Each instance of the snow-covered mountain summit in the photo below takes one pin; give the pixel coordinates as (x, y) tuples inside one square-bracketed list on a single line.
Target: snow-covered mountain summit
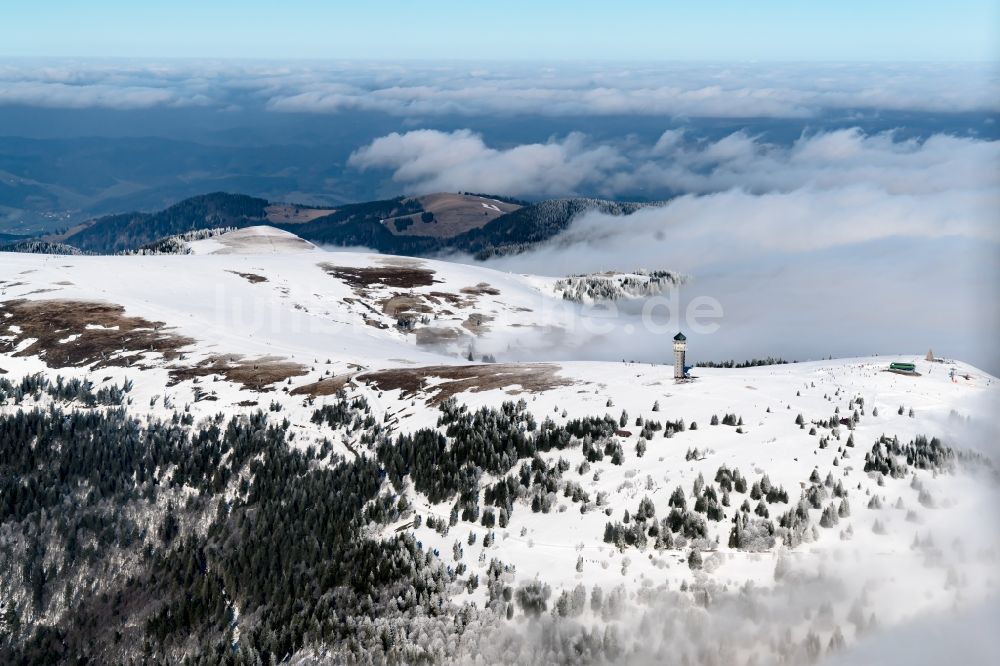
[(252, 240), (554, 506)]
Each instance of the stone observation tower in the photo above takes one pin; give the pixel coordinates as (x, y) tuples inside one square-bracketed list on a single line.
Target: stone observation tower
[(680, 345)]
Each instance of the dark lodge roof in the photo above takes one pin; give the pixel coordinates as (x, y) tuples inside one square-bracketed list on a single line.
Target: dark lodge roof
[(680, 337)]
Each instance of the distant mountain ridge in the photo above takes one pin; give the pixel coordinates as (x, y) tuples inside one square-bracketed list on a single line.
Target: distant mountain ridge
[(130, 231), (478, 224)]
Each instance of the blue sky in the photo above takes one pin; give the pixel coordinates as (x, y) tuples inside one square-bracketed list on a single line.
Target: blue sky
[(797, 30)]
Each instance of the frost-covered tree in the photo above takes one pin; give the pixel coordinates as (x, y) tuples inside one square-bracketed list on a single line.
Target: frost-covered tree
[(677, 499), (532, 598), (829, 517), (646, 509)]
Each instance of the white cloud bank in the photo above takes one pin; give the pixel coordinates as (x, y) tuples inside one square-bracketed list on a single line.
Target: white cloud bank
[(431, 160), (408, 90), (670, 89)]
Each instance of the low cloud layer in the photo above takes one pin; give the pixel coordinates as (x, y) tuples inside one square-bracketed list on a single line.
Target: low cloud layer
[(677, 90), (840, 244), (432, 160), (963, 637), (802, 275), (102, 85)]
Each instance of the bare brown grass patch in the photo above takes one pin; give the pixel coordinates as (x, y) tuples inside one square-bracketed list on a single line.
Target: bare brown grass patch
[(325, 386), (256, 374), (115, 339), (400, 303), (449, 380), (453, 214), (437, 335), (401, 277), (476, 323), (481, 289), (452, 299), (104, 336)]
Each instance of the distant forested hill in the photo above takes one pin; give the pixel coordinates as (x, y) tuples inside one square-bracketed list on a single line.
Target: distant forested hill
[(128, 231), (372, 224), (512, 232), (536, 223), (359, 224)]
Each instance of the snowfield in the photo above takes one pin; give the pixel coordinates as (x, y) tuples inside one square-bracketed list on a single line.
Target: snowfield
[(258, 319)]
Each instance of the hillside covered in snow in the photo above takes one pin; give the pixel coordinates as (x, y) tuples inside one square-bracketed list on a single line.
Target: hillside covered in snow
[(253, 449)]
